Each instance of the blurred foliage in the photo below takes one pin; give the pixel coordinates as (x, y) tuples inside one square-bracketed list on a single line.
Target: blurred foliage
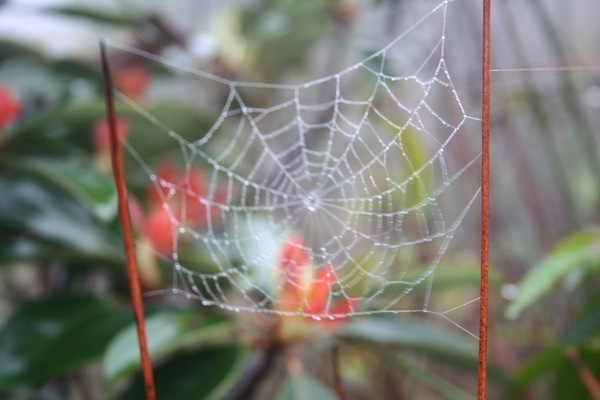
[(65, 316)]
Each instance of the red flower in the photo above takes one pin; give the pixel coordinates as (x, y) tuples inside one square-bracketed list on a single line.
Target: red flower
[(132, 81), (195, 192), (306, 290), (165, 171), (292, 261), (158, 228), (136, 214), (9, 107), (101, 133), (191, 192)]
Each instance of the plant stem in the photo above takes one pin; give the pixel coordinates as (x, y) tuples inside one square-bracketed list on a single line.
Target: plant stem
[(255, 375), (335, 360), (584, 372)]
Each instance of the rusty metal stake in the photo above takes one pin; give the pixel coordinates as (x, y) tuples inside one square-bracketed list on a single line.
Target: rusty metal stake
[(132, 269), (485, 205)]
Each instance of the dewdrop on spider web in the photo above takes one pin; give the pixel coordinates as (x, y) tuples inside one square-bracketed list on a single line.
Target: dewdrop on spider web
[(329, 199)]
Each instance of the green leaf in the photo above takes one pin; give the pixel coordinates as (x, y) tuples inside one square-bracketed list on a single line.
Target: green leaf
[(150, 140), (199, 374), (587, 325), (95, 15), (16, 247), (281, 34), (10, 49), (580, 250), (29, 74), (167, 332), (37, 207), (302, 387), (52, 336), (566, 382), (416, 334), (424, 375), (450, 275), (82, 180), (539, 365)]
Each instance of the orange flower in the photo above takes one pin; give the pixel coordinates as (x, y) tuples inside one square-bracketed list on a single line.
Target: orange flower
[(9, 107), (101, 133), (132, 81), (306, 290)]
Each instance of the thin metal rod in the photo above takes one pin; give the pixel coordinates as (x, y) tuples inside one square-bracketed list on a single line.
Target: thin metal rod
[(485, 204), (132, 269)]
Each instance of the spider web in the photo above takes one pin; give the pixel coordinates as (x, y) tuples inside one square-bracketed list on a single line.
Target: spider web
[(355, 164)]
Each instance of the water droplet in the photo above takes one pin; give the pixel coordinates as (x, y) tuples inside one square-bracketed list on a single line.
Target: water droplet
[(178, 266), (188, 296), (205, 303), (312, 202), (181, 229)]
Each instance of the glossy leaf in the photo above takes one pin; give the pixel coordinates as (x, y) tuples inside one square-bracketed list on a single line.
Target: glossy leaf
[(52, 336), (416, 334), (197, 375), (94, 15), (449, 275), (15, 247), (302, 387), (10, 48), (281, 34), (167, 332), (568, 382), (42, 209), (577, 251), (587, 325), (539, 365), (424, 375), (150, 140), (81, 180)]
